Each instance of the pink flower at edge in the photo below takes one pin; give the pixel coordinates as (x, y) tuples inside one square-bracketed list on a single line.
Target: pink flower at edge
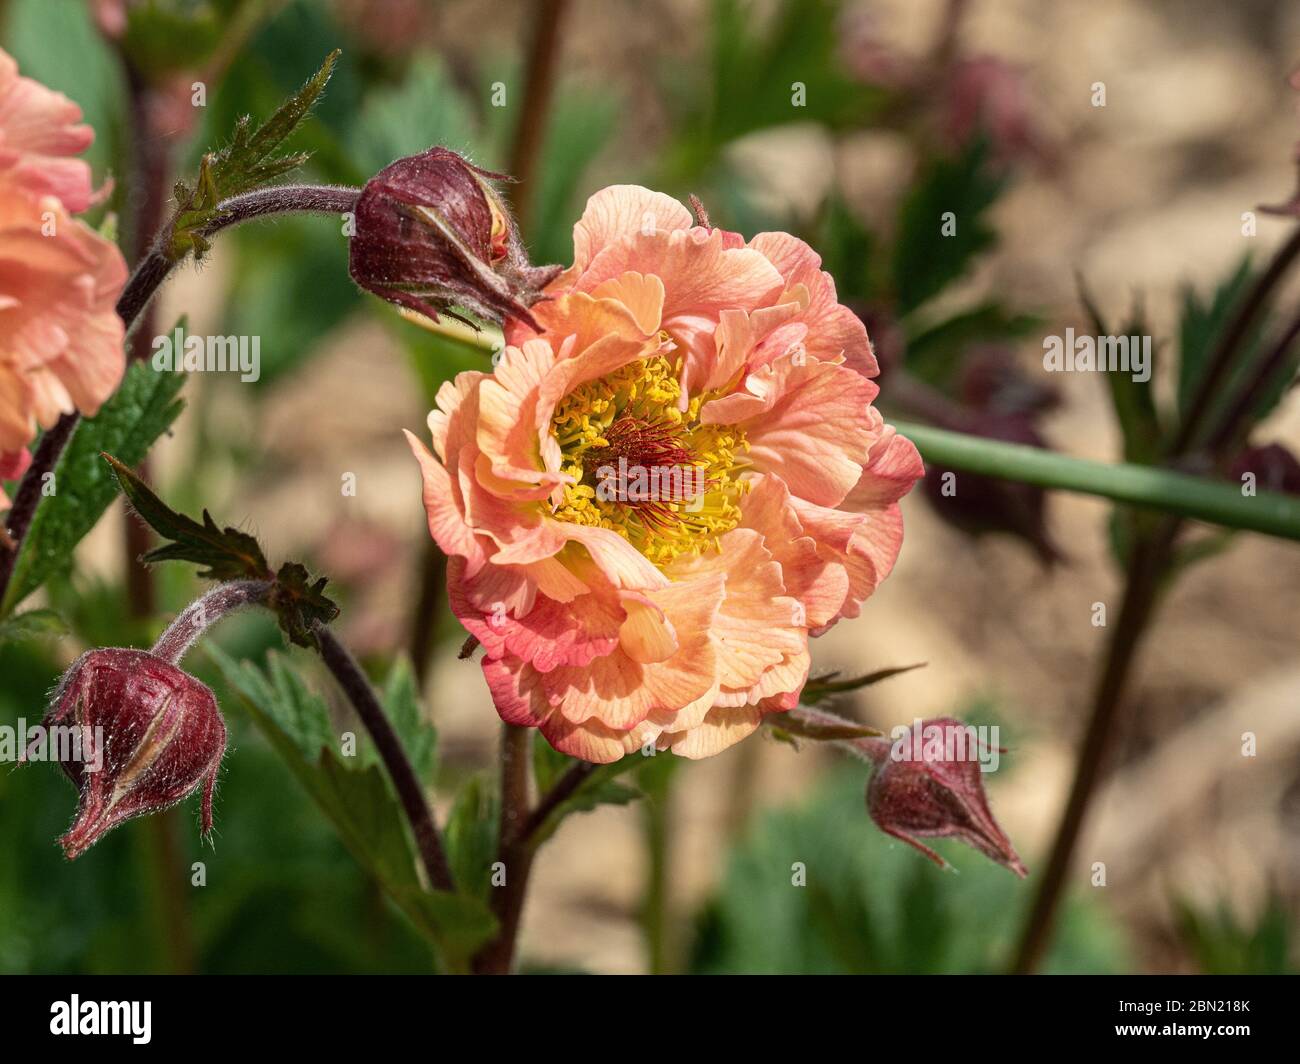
[(60, 336), (610, 617)]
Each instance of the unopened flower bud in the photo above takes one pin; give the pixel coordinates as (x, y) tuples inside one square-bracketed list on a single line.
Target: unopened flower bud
[(432, 232), (1273, 466), (149, 734), (929, 784)]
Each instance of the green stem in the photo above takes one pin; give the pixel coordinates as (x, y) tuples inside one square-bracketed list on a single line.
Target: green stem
[(656, 920), (1271, 513)]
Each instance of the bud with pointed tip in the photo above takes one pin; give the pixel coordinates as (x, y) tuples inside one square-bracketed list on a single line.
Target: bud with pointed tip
[(432, 232), (929, 784), (150, 734)]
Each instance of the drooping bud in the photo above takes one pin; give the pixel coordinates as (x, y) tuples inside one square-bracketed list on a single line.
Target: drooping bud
[(432, 232), (147, 734), (929, 784)]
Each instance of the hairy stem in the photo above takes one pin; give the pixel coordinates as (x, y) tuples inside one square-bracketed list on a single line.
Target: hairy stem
[(564, 788), (513, 851), (204, 612), (656, 909), (154, 268), (407, 785), (424, 620), (1147, 566)]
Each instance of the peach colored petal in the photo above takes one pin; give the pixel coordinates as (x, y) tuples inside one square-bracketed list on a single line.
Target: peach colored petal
[(748, 341), (447, 523), (723, 727), (646, 634), (805, 422), (450, 396), (39, 132), (620, 692), (511, 433), (819, 582), (757, 624), (549, 635), (623, 210), (701, 278), (834, 331), (642, 295), (60, 336)]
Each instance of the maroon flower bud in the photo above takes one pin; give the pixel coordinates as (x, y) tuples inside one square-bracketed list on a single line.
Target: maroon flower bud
[(1274, 467), (928, 784), (432, 232), (149, 734)]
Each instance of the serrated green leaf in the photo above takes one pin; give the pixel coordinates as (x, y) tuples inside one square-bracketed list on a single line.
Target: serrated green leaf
[(403, 706), (32, 625), (142, 409), (298, 602), (244, 164), (358, 802), (925, 260), (226, 553)]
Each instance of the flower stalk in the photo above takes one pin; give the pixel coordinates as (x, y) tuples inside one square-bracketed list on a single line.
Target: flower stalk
[(348, 673), (1271, 513)]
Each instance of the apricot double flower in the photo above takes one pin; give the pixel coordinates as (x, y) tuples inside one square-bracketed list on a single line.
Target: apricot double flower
[(665, 487)]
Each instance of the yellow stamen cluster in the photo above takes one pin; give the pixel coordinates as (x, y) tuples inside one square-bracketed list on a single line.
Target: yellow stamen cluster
[(590, 426)]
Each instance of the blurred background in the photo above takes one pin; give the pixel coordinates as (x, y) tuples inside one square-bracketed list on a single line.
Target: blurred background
[(908, 108)]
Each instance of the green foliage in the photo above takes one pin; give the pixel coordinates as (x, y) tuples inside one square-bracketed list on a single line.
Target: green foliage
[(749, 79), (471, 837), (424, 109), (229, 554), (226, 553), (871, 905), (849, 251), (579, 127), (32, 625), (247, 162), (1202, 322), (925, 260), (1224, 945), (142, 409), (401, 699), (292, 285), (164, 37), (356, 800)]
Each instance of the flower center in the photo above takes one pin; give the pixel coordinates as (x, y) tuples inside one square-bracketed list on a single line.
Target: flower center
[(644, 468)]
